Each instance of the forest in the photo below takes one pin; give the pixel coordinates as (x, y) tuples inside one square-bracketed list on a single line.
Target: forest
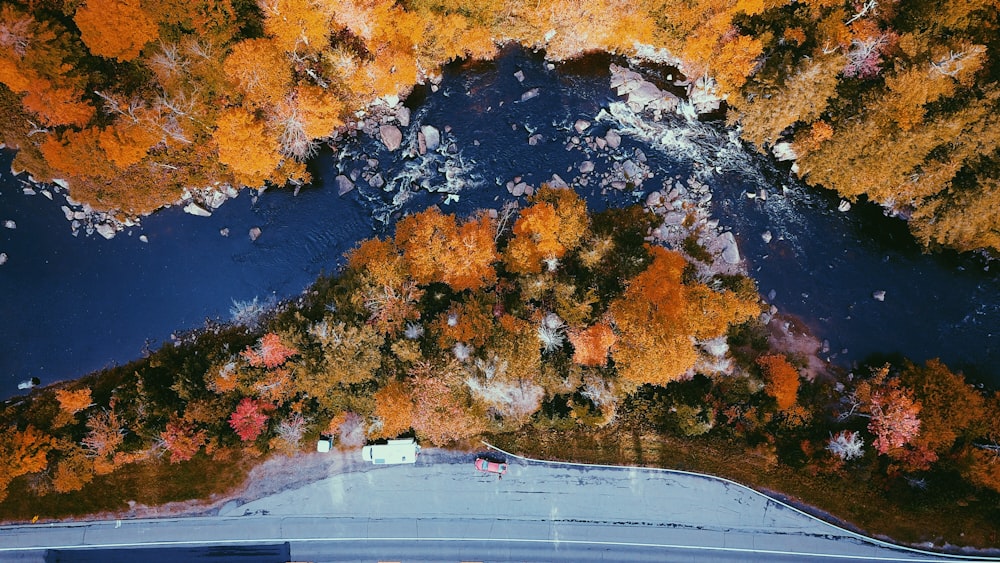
[(130, 102), (548, 322)]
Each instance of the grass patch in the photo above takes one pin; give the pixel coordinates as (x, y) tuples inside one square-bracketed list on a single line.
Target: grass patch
[(149, 483)]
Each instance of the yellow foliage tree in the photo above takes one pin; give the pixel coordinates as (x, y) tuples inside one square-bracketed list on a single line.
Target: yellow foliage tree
[(260, 71), (296, 24), (245, 146)]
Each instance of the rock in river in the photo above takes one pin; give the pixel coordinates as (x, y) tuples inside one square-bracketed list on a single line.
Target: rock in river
[(432, 137), (343, 183), (391, 136), (195, 209), (613, 138), (730, 252)]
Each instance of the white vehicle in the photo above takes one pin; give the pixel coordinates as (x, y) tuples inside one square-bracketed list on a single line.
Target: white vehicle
[(396, 451)]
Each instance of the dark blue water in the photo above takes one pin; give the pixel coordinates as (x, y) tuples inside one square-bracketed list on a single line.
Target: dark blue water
[(71, 305)]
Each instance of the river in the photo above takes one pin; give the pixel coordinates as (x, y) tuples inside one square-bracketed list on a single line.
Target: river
[(73, 304)]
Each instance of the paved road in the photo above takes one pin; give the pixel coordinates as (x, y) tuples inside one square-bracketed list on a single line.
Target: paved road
[(442, 509)]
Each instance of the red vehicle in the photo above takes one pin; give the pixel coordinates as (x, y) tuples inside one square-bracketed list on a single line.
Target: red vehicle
[(487, 465)]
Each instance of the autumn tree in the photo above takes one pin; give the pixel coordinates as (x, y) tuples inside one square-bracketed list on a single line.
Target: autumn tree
[(296, 24), (70, 403), (470, 322), (105, 433), (894, 420), (246, 146), (782, 379), (593, 345), (269, 353), (260, 71), (393, 410), (350, 355), (21, 452), (182, 439), (249, 419), (554, 224), (115, 29), (765, 113), (289, 433), (951, 409), (73, 469), (441, 404), (438, 249), (659, 318)]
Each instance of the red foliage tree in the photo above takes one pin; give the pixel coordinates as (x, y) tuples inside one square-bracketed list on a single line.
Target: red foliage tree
[(182, 440), (894, 419), (249, 419), (269, 353)]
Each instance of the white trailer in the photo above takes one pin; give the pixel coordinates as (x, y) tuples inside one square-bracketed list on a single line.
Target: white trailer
[(396, 451)]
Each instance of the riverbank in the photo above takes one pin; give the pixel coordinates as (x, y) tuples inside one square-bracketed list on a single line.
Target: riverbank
[(651, 346)]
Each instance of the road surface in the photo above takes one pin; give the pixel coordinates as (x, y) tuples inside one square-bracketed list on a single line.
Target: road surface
[(442, 509)]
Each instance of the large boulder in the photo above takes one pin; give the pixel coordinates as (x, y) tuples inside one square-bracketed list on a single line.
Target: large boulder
[(432, 137), (195, 209), (730, 251), (391, 136), (343, 183)]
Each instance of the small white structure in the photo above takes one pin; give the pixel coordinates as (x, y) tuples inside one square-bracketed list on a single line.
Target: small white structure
[(323, 445), (396, 451)]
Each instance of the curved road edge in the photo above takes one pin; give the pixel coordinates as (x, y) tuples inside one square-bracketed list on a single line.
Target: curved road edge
[(860, 536)]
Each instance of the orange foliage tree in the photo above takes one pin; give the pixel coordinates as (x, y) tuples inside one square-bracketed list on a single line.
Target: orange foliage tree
[(393, 409), (115, 28), (74, 468), (260, 71), (21, 452), (437, 249), (659, 318), (593, 345), (951, 408), (74, 401), (553, 225), (782, 379), (425, 239), (296, 24), (57, 105)]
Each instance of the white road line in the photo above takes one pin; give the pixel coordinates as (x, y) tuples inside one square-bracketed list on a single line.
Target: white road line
[(178, 543), (862, 537)]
